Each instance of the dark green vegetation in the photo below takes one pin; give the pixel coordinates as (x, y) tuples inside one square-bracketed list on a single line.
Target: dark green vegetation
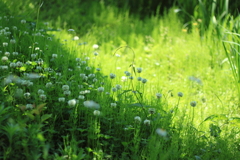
[(91, 80)]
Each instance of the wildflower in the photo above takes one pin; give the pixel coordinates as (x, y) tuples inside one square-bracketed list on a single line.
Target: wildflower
[(72, 102), (144, 80), (137, 119), (29, 106), (43, 97), (39, 68), (107, 93), (114, 89), (193, 103), (4, 58), (98, 69), (65, 87), (127, 73), (67, 92), (158, 95), (27, 95), (5, 44), (112, 76), (161, 132), (83, 62), (95, 53), (49, 84), (40, 91), (78, 59), (54, 55), (82, 75), (34, 56), (61, 99), (100, 89), (118, 86), (19, 64), (15, 53), (81, 97), (13, 41), (151, 110), (131, 77), (147, 122), (87, 58), (71, 30), (91, 104), (95, 46), (75, 38), (124, 79), (91, 75), (7, 54), (113, 105), (23, 21), (139, 70), (96, 112), (88, 68), (94, 80), (139, 78), (180, 94)]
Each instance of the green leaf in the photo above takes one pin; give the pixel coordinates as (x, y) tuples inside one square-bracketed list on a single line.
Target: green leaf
[(45, 117), (23, 68)]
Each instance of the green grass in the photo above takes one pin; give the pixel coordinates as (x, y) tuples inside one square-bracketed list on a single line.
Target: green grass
[(97, 119)]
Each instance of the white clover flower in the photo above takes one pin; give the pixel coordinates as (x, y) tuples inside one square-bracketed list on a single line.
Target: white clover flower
[(61, 99), (158, 95), (193, 103), (127, 73), (118, 86), (54, 55), (100, 89), (94, 80), (43, 97), (91, 104), (144, 80), (139, 78), (23, 21), (137, 119), (81, 97), (78, 59), (161, 132), (112, 76), (40, 91), (83, 62), (114, 89), (139, 70), (147, 122), (91, 75), (5, 44), (67, 93), (151, 110), (29, 106), (95, 46), (72, 102), (13, 41), (7, 54), (124, 79), (180, 94), (65, 87), (4, 58), (87, 58), (96, 113), (15, 53), (4, 67), (27, 95), (19, 64), (113, 105), (33, 56), (13, 65), (88, 68), (82, 75), (49, 84), (75, 38)]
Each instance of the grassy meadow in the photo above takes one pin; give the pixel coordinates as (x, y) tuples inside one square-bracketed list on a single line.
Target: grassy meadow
[(107, 84)]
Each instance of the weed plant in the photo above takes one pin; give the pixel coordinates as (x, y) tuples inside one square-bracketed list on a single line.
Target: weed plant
[(125, 89)]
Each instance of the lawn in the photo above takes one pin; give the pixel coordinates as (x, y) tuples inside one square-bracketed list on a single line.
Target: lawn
[(100, 82)]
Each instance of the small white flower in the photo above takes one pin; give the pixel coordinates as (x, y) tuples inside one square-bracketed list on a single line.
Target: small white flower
[(19, 64), (100, 89), (96, 112), (193, 103), (137, 119), (49, 84), (40, 91), (91, 104), (61, 99), (65, 87), (4, 58), (54, 55), (5, 44), (29, 106), (13, 65), (151, 110), (7, 54), (114, 89), (43, 97), (158, 95), (180, 94), (15, 53), (23, 21), (67, 92), (78, 59), (13, 41), (72, 102), (113, 105), (124, 79), (147, 122), (88, 68), (118, 86), (112, 76), (95, 46), (75, 38), (27, 95), (144, 80), (161, 132), (81, 97), (139, 70)]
